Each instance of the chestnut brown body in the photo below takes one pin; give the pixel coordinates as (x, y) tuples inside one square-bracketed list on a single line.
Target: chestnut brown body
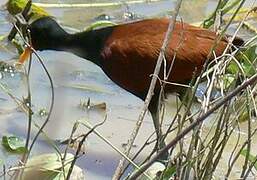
[(130, 53)]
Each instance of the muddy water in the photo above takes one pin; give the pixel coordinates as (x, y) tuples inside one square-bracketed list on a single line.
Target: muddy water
[(69, 74)]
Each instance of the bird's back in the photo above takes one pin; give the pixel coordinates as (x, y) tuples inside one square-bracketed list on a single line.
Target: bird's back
[(130, 53)]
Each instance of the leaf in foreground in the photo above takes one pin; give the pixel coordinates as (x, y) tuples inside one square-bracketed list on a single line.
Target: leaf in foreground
[(251, 158), (16, 6), (169, 173), (247, 58), (14, 144), (99, 24), (49, 167)]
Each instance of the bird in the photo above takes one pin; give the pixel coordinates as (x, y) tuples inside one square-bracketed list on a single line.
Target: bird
[(127, 53)]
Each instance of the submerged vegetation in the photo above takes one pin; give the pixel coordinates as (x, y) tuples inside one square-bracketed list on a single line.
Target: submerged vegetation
[(225, 147)]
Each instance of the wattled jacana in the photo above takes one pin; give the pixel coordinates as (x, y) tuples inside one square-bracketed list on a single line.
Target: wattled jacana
[(128, 53)]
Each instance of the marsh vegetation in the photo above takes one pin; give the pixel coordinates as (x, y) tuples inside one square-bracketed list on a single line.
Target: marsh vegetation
[(59, 106)]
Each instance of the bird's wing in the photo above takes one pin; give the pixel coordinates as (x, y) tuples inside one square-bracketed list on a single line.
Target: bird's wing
[(130, 56)]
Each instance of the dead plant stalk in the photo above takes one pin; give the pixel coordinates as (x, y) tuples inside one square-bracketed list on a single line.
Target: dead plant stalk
[(166, 42), (199, 120)]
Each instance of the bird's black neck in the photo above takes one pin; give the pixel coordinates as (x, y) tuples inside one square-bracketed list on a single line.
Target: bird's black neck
[(87, 44)]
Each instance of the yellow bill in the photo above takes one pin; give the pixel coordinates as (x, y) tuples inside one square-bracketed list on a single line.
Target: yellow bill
[(25, 55)]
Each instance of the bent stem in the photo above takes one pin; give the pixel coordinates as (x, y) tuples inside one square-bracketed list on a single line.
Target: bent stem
[(150, 93), (199, 120)]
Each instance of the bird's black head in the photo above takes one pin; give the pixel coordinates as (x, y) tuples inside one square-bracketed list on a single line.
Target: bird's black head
[(46, 33)]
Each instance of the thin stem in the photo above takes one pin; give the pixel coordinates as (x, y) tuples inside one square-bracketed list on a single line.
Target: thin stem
[(150, 93), (80, 146), (199, 120)]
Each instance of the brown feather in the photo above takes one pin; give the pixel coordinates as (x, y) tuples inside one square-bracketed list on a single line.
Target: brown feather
[(130, 53)]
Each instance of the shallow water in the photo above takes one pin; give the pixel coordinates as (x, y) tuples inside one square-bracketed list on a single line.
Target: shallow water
[(68, 72)]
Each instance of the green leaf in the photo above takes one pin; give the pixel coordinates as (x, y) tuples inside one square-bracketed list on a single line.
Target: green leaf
[(248, 62), (169, 173), (211, 19), (18, 46), (232, 68), (14, 144), (2, 37), (48, 162), (250, 54), (230, 6), (224, 7), (49, 167), (251, 158), (99, 24), (228, 80), (244, 116), (16, 6)]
